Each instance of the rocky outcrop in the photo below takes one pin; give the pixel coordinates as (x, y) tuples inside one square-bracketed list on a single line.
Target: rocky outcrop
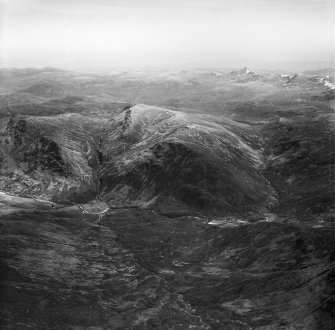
[(286, 78), (242, 75), (50, 157)]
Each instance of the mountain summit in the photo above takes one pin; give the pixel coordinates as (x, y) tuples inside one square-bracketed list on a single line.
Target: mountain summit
[(243, 74)]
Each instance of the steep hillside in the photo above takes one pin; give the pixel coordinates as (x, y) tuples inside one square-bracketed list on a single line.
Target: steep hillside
[(51, 157), (145, 156), (163, 157), (301, 165)]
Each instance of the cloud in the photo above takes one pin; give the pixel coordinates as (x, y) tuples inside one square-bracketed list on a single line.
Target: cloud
[(211, 32)]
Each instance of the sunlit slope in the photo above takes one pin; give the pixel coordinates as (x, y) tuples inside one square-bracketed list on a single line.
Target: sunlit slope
[(156, 156), (145, 156)]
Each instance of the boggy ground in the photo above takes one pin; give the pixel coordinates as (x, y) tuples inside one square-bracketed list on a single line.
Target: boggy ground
[(135, 269), (61, 271)]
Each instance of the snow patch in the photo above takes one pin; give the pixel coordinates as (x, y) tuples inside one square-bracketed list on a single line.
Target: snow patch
[(329, 85)]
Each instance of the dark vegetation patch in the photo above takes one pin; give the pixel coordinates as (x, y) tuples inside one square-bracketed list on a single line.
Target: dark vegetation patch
[(174, 169), (302, 163)]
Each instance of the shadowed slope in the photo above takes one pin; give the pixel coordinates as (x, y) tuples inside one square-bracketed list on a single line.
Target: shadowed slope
[(143, 156), (163, 157)]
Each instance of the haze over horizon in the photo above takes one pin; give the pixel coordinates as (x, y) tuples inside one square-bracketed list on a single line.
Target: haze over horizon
[(96, 35)]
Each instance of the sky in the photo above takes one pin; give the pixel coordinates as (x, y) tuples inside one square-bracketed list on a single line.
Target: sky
[(101, 34)]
